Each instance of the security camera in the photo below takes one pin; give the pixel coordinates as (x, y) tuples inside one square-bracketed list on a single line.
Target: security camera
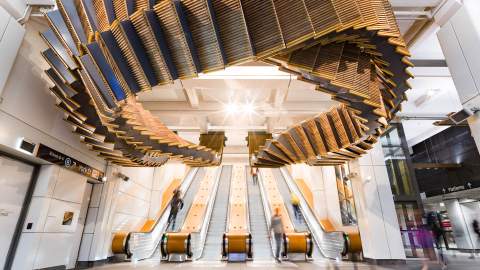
[(123, 176)]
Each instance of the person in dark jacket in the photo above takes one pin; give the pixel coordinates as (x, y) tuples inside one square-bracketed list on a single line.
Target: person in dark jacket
[(476, 227), (175, 205)]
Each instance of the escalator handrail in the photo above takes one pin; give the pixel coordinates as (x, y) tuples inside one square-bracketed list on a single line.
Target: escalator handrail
[(266, 209), (186, 184), (183, 189), (309, 214)]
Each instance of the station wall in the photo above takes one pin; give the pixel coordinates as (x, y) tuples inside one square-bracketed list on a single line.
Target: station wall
[(52, 229)]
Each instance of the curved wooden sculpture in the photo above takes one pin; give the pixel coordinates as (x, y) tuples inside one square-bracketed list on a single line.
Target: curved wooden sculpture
[(103, 52)]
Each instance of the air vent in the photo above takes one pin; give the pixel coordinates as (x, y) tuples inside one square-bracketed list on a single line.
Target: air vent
[(27, 146)]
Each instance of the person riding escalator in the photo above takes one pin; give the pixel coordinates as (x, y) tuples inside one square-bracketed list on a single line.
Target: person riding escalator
[(176, 204)]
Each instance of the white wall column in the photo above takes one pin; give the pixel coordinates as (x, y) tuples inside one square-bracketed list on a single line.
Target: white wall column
[(377, 219), (459, 38)]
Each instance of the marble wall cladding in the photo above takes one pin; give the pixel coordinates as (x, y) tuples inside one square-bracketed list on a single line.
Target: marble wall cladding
[(121, 205), (377, 220), (15, 179), (48, 239), (11, 35)]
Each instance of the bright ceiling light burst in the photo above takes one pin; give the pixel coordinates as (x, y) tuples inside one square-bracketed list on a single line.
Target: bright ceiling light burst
[(233, 108)]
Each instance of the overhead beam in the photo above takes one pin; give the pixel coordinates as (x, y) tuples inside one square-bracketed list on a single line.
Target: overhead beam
[(279, 97), (192, 97)]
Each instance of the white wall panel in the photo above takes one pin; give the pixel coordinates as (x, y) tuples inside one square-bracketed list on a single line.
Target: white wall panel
[(90, 221), (83, 255), (37, 214), (14, 181), (155, 203), (55, 216), (54, 250), (127, 204), (27, 251), (4, 18), (158, 177), (457, 63), (124, 222), (46, 181), (77, 235), (376, 155), (70, 186), (96, 195), (331, 195), (141, 176), (10, 40), (389, 214), (469, 38), (135, 190)]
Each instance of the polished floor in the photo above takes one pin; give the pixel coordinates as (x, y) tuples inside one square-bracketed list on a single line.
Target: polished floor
[(456, 262)]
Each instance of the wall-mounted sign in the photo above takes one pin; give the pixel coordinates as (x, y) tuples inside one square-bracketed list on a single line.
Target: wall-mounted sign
[(46, 153), (452, 189)]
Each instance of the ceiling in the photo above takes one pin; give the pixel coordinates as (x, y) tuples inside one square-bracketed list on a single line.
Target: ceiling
[(256, 96)]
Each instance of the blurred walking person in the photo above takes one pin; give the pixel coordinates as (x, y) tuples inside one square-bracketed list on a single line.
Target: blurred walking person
[(276, 226), (295, 201), (476, 230)]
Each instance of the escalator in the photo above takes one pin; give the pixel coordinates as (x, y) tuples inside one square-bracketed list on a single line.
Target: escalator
[(330, 243), (187, 201), (143, 245), (187, 240), (216, 227), (299, 223), (262, 250)]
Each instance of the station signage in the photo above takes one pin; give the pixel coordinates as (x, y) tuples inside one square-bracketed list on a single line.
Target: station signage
[(452, 189), (51, 155)]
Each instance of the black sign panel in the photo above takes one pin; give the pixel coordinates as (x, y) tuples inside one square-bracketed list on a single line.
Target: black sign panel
[(452, 189), (60, 159)]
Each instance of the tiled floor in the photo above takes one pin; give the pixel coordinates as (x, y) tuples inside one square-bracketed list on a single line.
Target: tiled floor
[(459, 262)]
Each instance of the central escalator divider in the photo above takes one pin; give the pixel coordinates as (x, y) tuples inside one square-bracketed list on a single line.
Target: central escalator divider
[(178, 245), (218, 219), (237, 240)]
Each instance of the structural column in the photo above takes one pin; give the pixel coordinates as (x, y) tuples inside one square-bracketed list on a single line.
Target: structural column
[(377, 219), (459, 38)]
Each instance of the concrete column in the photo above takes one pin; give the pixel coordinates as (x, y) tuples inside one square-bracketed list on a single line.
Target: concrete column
[(377, 219)]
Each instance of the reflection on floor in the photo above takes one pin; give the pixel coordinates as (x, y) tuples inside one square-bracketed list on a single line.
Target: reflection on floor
[(459, 262)]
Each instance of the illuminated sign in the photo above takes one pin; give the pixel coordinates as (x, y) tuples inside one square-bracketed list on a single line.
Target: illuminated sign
[(46, 153)]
